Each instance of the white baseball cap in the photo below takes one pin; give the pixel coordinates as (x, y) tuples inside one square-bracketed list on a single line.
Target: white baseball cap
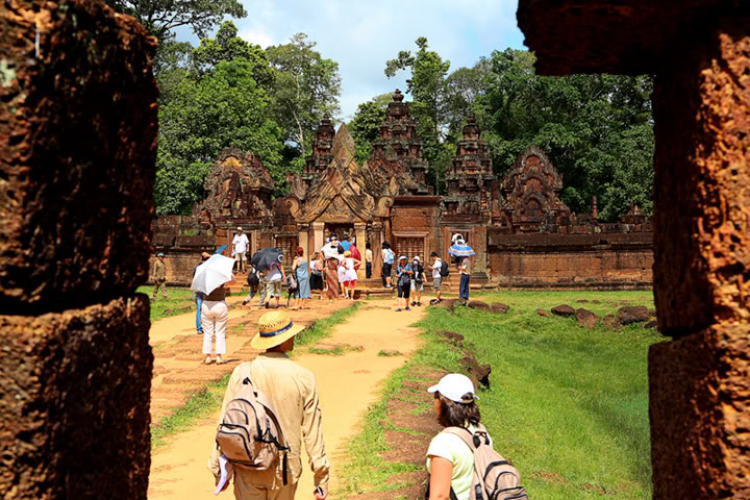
[(454, 386)]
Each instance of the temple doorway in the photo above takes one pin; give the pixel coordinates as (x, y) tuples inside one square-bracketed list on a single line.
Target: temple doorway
[(339, 230)]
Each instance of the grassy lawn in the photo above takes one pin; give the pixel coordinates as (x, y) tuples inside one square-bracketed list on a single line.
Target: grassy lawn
[(180, 301), (568, 405)]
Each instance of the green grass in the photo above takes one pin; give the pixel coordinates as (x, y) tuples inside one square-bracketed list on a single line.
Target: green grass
[(208, 400), (180, 301), (568, 405), (200, 405)]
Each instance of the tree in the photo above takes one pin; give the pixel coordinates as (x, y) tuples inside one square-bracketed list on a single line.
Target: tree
[(365, 125), (597, 129), (161, 17), (307, 88), (227, 46), (225, 108)]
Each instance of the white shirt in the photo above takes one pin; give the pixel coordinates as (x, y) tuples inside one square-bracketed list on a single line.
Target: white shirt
[(436, 268), (330, 251), (240, 243)]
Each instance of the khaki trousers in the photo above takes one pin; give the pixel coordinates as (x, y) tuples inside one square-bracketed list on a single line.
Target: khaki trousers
[(160, 284), (247, 491)]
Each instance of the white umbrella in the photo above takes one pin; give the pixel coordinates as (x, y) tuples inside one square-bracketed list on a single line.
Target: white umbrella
[(212, 274)]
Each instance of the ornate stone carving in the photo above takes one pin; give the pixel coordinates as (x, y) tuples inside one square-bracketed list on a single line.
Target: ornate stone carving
[(238, 186), (471, 186), (532, 190), (398, 152)]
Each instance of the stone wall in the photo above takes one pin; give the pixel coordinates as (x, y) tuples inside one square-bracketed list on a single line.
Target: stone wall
[(598, 260), (78, 129)]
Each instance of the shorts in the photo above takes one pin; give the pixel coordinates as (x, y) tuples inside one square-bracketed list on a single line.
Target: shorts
[(273, 289), (417, 287), (387, 270), (403, 292), (436, 282)]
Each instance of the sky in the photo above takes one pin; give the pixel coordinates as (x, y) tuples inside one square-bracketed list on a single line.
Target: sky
[(362, 35)]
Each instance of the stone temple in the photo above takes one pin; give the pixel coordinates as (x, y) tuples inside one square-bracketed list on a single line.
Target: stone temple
[(523, 233)]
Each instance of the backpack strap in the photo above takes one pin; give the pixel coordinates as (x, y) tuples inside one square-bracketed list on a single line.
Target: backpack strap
[(465, 434)]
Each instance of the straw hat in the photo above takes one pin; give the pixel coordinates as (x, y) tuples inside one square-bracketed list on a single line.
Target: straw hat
[(274, 328)]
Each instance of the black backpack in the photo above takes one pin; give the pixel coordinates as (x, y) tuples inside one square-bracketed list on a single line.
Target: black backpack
[(445, 269), (252, 279)]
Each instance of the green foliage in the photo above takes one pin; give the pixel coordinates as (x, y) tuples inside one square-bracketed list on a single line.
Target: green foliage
[(224, 108), (365, 125), (597, 130), (161, 17), (307, 88)]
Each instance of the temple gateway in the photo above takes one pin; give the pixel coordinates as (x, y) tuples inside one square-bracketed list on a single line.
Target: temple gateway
[(523, 233)]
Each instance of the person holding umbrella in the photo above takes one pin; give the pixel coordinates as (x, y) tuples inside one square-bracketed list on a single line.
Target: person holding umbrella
[(462, 252), (271, 261), (210, 278)]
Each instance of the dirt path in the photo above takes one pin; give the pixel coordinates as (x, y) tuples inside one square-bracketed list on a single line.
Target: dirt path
[(348, 384)]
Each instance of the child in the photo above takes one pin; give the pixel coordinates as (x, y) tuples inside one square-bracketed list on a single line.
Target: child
[(350, 264)]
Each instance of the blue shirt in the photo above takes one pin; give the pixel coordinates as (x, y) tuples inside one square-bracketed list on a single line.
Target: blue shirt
[(347, 245), (400, 270)]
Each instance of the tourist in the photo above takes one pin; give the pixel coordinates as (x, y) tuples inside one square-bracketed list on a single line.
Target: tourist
[(404, 273), (388, 260), (159, 277), (199, 296), (317, 269), (342, 271), (346, 243), (417, 281), (368, 261), (293, 394), (332, 278), (350, 264), (331, 248), (214, 317), (437, 277), (465, 271), (301, 269), (239, 249), (274, 277), (450, 462), (253, 283)]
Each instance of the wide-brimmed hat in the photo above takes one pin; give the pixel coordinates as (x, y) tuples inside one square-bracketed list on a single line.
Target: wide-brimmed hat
[(403, 257), (417, 259), (274, 328), (239, 229)]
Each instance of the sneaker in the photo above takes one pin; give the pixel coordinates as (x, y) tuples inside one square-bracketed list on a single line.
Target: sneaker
[(199, 332), (244, 302), (398, 309), (208, 360), (408, 308), (419, 304), (413, 303), (219, 361)]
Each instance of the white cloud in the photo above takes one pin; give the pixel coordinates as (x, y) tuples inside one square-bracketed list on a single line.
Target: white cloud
[(362, 35)]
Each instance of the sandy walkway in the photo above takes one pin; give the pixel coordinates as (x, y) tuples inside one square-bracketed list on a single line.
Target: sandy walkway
[(348, 384)]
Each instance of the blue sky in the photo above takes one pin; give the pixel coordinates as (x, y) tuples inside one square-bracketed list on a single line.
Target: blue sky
[(362, 35)]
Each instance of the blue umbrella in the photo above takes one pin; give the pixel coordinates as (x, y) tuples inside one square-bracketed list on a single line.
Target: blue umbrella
[(461, 249), (221, 249)]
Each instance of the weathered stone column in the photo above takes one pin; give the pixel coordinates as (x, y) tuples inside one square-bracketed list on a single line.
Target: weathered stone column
[(360, 231), (302, 239), (77, 151), (700, 382), (376, 238), (318, 236)]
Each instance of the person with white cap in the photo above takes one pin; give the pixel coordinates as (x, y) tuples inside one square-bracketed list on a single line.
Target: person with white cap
[(404, 273), (293, 393), (450, 461), (239, 249)]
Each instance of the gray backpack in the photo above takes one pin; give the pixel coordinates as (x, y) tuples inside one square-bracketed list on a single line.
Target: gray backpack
[(250, 435), (495, 478)]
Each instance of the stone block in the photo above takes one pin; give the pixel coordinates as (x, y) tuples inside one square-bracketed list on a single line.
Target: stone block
[(702, 159), (699, 408), (586, 318), (499, 308), (479, 305), (78, 130), (632, 314), (74, 403), (563, 310)]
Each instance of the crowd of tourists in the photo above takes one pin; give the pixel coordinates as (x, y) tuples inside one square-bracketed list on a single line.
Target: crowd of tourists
[(271, 405)]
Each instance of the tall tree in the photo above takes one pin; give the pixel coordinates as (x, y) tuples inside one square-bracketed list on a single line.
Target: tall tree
[(597, 129), (161, 17), (307, 87), (224, 108)]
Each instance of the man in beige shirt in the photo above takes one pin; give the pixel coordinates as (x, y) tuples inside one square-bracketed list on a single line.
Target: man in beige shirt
[(293, 393)]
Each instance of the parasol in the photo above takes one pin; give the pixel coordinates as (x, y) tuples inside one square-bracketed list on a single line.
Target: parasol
[(212, 274), (461, 249), (262, 259)]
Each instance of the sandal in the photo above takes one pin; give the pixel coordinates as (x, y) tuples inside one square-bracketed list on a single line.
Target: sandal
[(208, 360), (219, 361)]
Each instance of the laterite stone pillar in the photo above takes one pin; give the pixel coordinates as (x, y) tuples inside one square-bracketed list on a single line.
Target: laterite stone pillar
[(78, 124), (700, 382)]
